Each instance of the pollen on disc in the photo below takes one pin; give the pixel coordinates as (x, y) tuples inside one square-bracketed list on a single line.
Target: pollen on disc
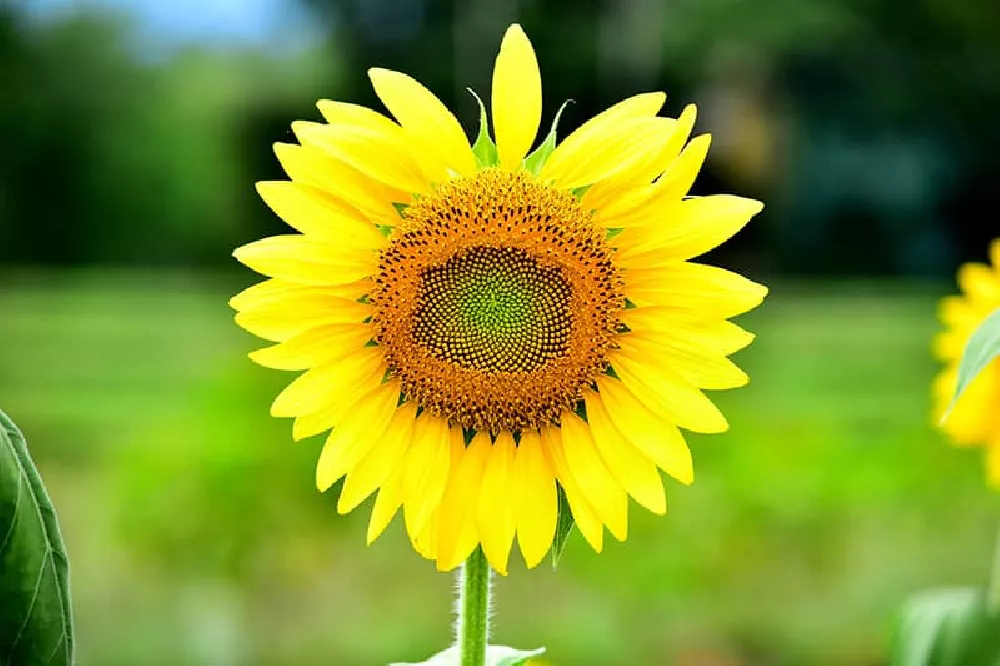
[(493, 309), (496, 301)]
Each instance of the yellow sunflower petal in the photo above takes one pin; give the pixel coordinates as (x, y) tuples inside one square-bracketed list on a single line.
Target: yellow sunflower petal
[(356, 117), (684, 230), (425, 119), (592, 476), (663, 391), (494, 514), (365, 419), (633, 470), (375, 467), (384, 155), (584, 514), (957, 311), (517, 98), (679, 137), (458, 535), (536, 510), (685, 329), (387, 503), (427, 464), (972, 419), (659, 440), (663, 160), (993, 465), (979, 283), (617, 200), (313, 212), (307, 260), (282, 312), (694, 287), (643, 105), (696, 364), (318, 387), (605, 153), (677, 180), (995, 254), (313, 347), (426, 542), (271, 292), (331, 414), (949, 345), (311, 166)]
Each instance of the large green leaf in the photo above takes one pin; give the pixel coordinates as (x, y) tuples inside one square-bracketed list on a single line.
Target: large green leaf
[(981, 350), (496, 655), (36, 625), (947, 628)]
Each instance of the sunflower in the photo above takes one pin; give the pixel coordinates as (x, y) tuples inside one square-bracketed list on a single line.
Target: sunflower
[(973, 419), (485, 332)]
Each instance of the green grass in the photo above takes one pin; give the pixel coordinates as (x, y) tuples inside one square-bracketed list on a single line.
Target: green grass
[(197, 538)]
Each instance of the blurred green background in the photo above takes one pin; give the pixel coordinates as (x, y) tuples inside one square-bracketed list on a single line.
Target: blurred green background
[(131, 132)]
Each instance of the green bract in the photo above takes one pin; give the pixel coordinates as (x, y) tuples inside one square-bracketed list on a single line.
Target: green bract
[(537, 158), (484, 149), (564, 525)]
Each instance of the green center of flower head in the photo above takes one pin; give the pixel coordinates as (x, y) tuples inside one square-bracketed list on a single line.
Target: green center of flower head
[(494, 309)]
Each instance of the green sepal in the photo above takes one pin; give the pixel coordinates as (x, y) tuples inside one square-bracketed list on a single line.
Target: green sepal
[(578, 192), (496, 655), (536, 160), (981, 350), (946, 628), (484, 149), (564, 526), (36, 620), (614, 231)]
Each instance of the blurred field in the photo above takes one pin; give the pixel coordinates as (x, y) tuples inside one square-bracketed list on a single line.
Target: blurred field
[(197, 538)]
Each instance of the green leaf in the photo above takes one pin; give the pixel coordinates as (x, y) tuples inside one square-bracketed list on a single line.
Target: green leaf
[(946, 628), (536, 160), (484, 149), (983, 347), (36, 624), (496, 655), (564, 525)]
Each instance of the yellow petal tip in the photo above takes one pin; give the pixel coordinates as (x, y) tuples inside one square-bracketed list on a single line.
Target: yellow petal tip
[(514, 29), (323, 481)]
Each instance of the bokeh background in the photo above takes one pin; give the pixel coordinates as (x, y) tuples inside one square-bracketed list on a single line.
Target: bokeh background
[(131, 132)]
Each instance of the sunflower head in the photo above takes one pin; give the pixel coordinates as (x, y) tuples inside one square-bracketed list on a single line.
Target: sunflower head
[(483, 326), (971, 420)]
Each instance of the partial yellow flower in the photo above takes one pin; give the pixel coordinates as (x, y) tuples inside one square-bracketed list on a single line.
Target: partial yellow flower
[(484, 330), (974, 420)]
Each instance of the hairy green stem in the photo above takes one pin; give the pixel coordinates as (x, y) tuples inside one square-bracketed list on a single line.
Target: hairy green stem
[(474, 610), (993, 595)]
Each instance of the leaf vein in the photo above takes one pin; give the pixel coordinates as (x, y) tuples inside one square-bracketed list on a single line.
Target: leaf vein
[(13, 520), (49, 555)]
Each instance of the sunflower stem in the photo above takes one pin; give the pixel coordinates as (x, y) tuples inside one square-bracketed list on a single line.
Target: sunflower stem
[(474, 609), (993, 594)]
